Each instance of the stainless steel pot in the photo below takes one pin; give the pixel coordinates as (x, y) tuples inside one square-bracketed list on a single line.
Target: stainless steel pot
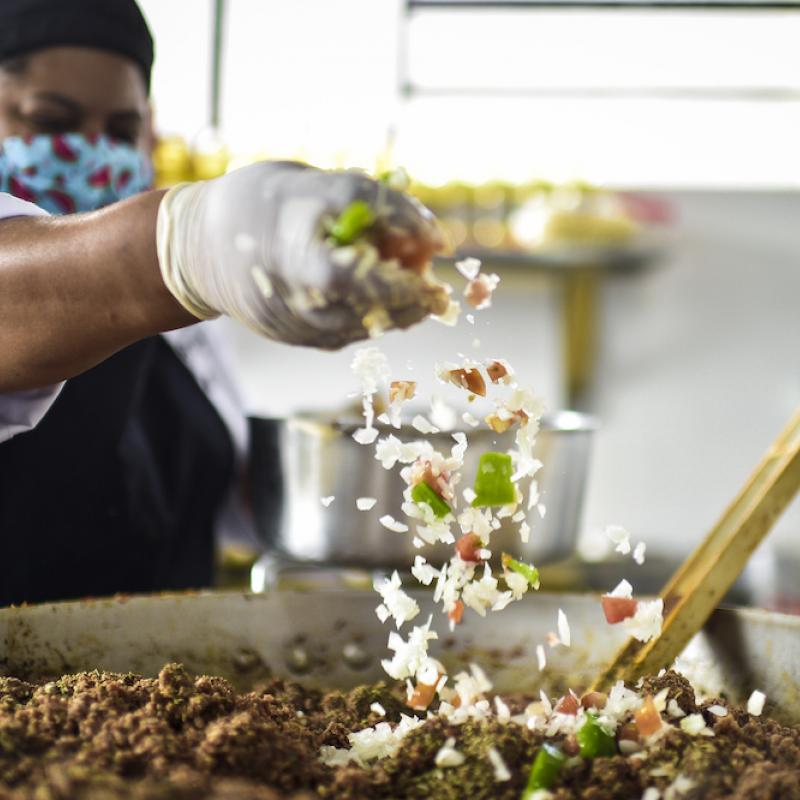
[(333, 639), (298, 461)]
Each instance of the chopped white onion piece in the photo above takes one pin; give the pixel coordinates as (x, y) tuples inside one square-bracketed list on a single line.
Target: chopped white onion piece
[(365, 503), (469, 267), (718, 711), (399, 605), (755, 703), (674, 710), (448, 756), (366, 435), (503, 711), (695, 725), (620, 537), (371, 367), (501, 772), (388, 521), (622, 589), (378, 709), (524, 532), (326, 501), (423, 571), (563, 628), (423, 425), (638, 553), (460, 446), (541, 657), (645, 624)]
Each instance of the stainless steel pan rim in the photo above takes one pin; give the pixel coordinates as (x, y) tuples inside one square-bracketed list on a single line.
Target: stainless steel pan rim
[(333, 639)]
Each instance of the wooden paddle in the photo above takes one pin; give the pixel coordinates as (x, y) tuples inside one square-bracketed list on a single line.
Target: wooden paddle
[(702, 580)]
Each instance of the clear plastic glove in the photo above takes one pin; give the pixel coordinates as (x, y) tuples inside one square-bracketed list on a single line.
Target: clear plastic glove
[(256, 245)]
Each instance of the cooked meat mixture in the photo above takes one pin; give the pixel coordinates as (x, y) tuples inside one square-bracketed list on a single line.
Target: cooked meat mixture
[(103, 736)]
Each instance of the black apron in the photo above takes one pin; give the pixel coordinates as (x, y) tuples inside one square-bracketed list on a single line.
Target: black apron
[(118, 487)]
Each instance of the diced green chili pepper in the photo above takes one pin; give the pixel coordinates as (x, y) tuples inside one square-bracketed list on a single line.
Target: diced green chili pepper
[(528, 571), (493, 486), (352, 222), (545, 769), (594, 740), (422, 493)]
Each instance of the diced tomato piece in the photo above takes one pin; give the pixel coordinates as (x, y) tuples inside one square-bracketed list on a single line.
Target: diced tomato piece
[(468, 378), (456, 613), (438, 481), (400, 391), (477, 291), (594, 700), (568, 704), (497, 370), (648, 720), (422, 696), (412, 250), (468, 546), (617, 609)]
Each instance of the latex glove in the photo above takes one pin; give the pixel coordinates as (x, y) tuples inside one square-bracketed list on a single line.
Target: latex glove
[(255, 245)]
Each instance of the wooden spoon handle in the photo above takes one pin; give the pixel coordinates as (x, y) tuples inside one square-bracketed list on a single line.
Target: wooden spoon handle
[(702, 580)]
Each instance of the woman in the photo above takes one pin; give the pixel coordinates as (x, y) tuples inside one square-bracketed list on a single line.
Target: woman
[(114, 462)]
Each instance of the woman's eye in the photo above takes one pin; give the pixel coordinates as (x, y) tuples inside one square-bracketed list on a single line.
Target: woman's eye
[(51, 124), (124, 133)]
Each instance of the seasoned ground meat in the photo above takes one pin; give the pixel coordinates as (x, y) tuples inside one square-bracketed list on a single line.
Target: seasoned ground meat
[(102, 736)]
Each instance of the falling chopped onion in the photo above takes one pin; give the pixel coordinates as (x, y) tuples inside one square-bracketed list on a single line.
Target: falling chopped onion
[(388, 521), (755, 703)]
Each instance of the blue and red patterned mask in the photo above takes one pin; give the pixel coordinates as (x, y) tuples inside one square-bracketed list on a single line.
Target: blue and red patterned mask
[(72, 172)]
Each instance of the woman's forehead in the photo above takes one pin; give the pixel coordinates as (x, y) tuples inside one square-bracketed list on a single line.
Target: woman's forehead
[(91, 77)]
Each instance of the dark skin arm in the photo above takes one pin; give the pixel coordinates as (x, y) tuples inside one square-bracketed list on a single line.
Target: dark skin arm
[(74, 290)]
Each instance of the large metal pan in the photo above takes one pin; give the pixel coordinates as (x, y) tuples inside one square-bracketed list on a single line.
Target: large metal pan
[(334, 640), (302, 459)]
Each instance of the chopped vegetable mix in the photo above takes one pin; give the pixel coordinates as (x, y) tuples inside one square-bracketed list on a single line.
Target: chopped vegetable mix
[(594, 740), (422, 493), (353, 220), (493, 486), (528, 571), (545, 769)]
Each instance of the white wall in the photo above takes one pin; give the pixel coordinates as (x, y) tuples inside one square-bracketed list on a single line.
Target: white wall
[(318, 79), (181, 95)]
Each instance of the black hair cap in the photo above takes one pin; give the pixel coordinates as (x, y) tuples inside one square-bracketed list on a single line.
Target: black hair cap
[(113, 25)]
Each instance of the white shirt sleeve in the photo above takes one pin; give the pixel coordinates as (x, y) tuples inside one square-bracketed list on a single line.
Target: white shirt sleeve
[(22, 411)]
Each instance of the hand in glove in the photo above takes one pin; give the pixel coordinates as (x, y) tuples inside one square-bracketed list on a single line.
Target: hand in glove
[(269, 246)]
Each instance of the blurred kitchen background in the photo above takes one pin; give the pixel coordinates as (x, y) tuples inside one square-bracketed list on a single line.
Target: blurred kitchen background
[(629, 169)]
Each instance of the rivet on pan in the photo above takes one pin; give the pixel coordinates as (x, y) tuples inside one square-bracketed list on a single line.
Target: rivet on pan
[(298, 660), (355, 656)]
